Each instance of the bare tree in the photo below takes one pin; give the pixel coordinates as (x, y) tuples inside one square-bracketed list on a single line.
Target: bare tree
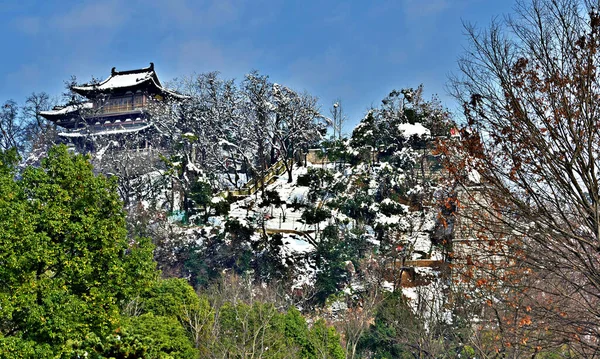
[(12, 132), (530, 88), (296, 124), (259, 109)]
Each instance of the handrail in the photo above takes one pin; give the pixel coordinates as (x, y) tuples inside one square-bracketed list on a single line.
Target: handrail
[(255, 184)]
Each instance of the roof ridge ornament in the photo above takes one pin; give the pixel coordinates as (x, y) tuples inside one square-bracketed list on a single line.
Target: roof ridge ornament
[(121, 81)]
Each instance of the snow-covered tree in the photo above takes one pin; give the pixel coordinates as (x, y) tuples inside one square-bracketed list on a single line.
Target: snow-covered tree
[(296, 125)]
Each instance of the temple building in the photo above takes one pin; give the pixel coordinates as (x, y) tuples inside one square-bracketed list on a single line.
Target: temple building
[(112, 108)]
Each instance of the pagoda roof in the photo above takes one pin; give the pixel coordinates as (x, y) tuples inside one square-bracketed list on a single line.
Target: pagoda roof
[(130, 79), (61, 111)]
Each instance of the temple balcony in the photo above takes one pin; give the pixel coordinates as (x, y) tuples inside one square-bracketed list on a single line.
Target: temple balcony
[(110, 109), (107, 127)]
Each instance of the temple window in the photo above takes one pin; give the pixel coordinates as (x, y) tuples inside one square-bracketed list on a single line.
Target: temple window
[(119, 104), (138, 100)]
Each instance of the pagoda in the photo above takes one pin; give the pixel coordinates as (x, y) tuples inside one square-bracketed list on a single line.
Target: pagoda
[(111, 108)]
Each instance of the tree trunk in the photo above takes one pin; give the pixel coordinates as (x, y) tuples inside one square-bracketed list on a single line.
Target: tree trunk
[(289, 171)]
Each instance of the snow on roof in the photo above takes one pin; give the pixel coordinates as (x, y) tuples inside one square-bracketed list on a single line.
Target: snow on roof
[(117, 81), (125, 79), (67, 109), (417, 129), (107, 132)]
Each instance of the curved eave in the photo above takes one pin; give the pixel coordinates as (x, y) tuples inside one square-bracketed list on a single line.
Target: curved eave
[(51, 117), (68, 111), (93, 91), (58, 117)]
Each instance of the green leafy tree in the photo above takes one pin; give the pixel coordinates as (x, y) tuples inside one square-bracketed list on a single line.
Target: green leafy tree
[(330, 258), (252, 331), (326, 341), (67, 266), (297, 331)]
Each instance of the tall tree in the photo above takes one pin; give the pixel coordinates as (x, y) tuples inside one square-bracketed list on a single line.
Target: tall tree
[(12, 131), (296, 124), (67, 265), (529, 85), (259, 109)]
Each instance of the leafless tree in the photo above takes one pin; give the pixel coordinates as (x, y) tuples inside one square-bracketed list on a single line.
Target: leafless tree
[(296, 125), (12, 131), (530, 89)]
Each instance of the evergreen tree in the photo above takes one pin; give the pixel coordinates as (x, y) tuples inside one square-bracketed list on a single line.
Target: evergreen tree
[(67, 266)]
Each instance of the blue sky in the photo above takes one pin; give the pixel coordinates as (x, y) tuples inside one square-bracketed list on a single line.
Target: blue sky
[(354, 50)]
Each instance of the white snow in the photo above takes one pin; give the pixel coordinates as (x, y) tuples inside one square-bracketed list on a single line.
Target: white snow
[(296, 245), (119, 80), (217, 199), (474, 176), (68, 109), (124, 80), (106, 132), (417, 129)]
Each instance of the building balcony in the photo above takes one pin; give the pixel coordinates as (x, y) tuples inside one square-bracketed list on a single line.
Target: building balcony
[(113, 109), (107, 128)]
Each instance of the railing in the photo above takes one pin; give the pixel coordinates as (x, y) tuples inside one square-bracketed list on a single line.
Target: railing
[(255, 184), (115, 126), (120, 108)]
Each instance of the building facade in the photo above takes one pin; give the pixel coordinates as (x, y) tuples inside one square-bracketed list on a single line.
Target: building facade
[(116, 109)]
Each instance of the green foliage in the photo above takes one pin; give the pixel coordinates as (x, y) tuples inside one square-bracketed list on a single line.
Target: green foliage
[(401, 332), (68, 268), (381, 341), (304, 180), (320, 341), (316, 177), (170, 298), (16, 347), (357, 206), (389, 208), (365, 135), (261, 330), (297, 203), (65, 253), (150, 336), (298, 333), (315, 215), (257, 328), (200, 195), (231, 249), (221, 208), (267, 262), (271, 198), (337, 151), (379, 131), (321, 183), (326, 341), (330, 257)]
